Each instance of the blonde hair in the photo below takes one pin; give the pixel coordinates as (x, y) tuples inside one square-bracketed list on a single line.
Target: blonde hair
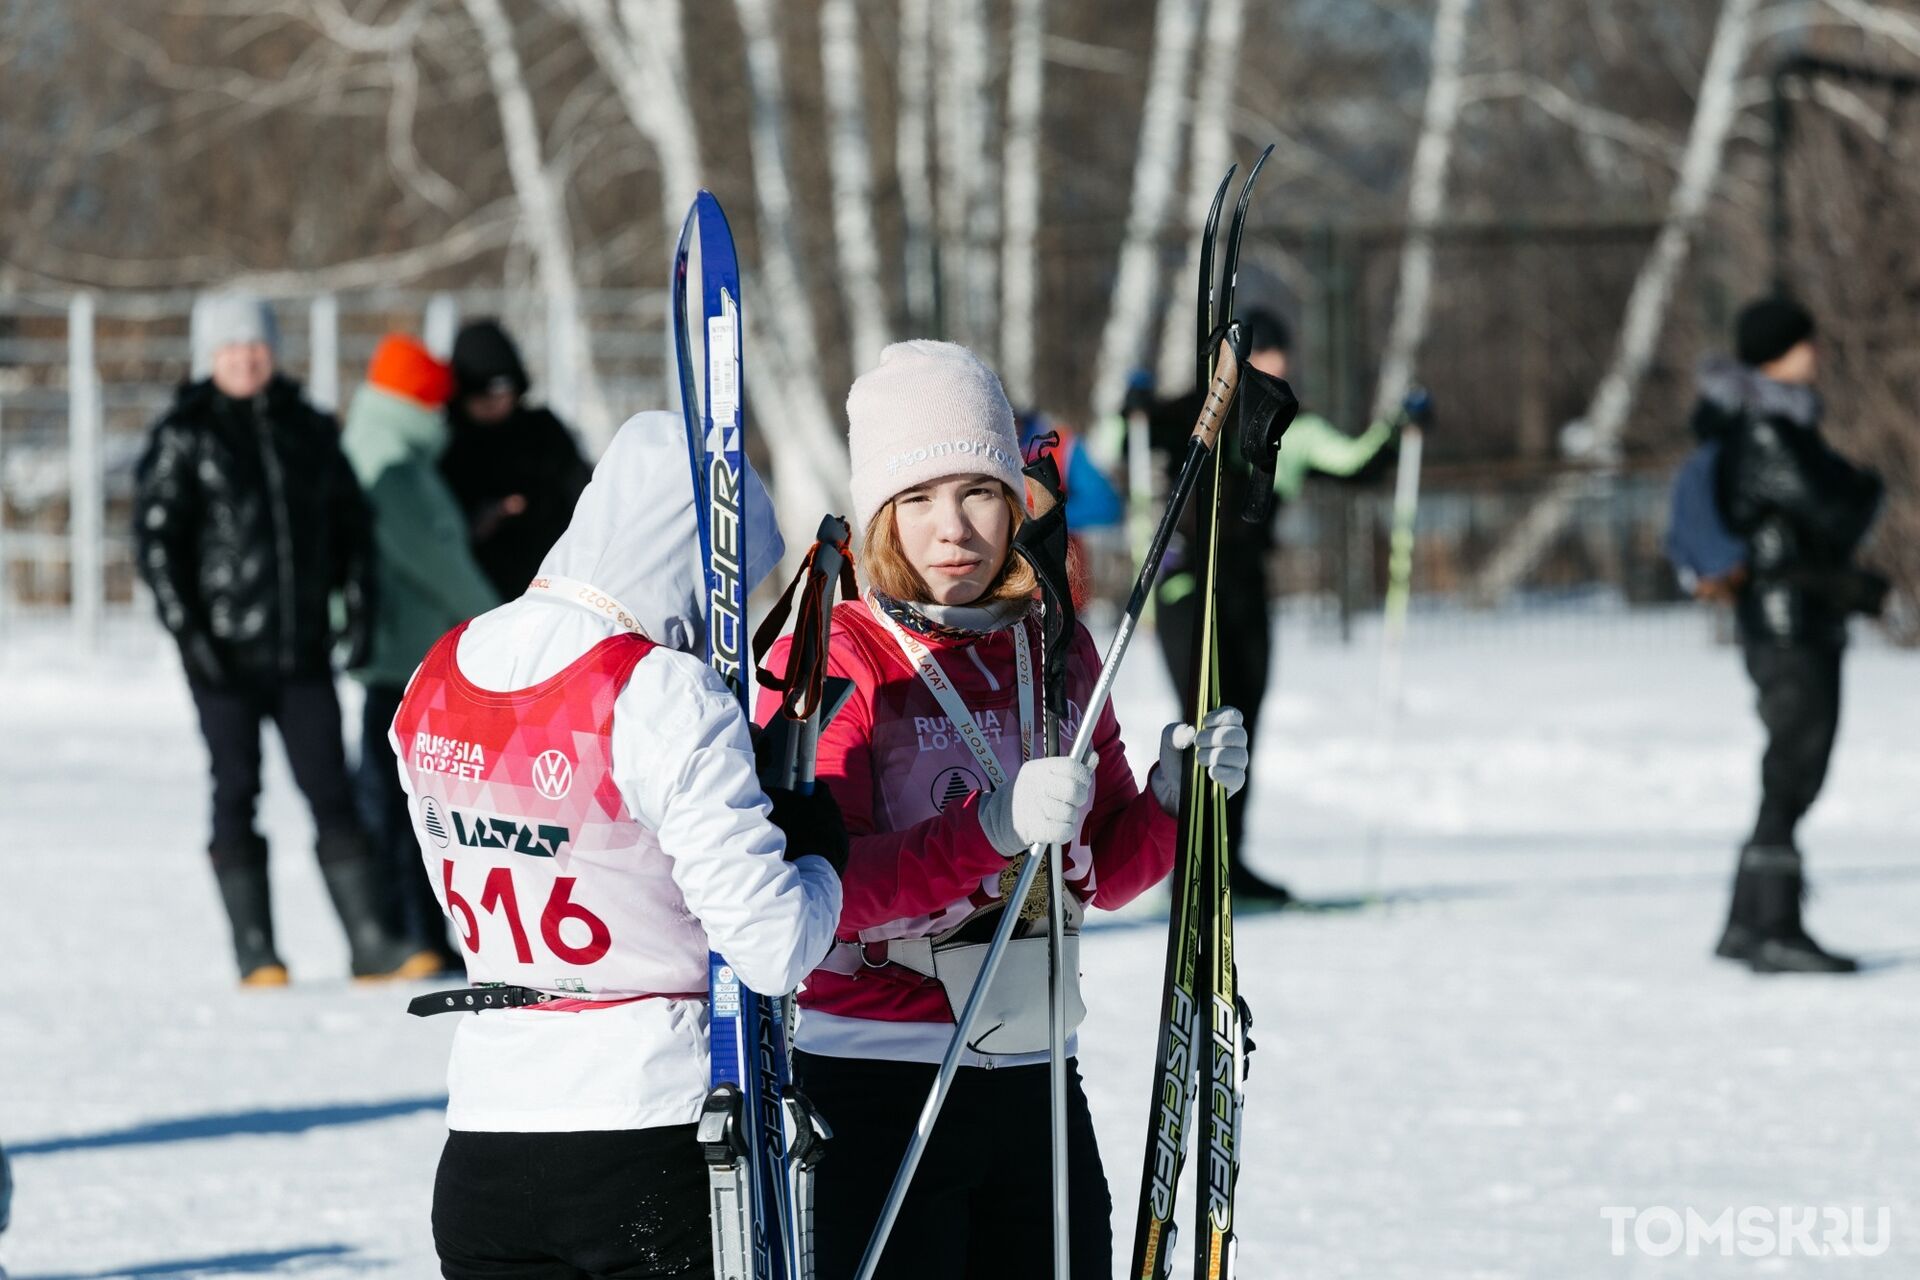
[(885, 567)]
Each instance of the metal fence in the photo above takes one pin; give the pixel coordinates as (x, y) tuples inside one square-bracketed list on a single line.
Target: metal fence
[(81, 378)]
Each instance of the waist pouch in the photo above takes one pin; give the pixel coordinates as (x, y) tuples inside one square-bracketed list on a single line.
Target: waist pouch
[(1013, 1016)]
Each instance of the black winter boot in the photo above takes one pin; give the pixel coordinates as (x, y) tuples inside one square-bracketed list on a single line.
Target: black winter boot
[(243, 890), (1782, 944), (358, 891), (1741, 936)]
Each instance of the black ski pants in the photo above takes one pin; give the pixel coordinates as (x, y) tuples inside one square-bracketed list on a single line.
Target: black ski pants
[(307, 714), (981, 1204), (1799, 702), (624, 1204), (412, 912), (1246, 650)]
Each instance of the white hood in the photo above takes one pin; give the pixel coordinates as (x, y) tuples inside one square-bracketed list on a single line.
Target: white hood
[(635, 535)]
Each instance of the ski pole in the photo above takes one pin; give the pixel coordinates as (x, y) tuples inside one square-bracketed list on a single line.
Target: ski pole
[(1200, 446), (1042, 542), (1416, 414)]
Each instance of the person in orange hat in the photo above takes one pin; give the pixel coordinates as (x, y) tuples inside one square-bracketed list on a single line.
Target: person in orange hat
[(426, 582)]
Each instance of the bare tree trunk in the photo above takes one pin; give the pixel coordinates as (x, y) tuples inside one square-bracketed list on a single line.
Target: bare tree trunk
[(1426, 201), (1019, 260), (969, 208), (1212, 152), (787, 303), (910, 158), (543, 206), (1713, 116), (1123, 341), (855, 236), (646, 63)]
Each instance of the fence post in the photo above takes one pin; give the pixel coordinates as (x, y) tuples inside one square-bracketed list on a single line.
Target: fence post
[(84, 481), (323, 352), (5, 564), (440, 323)]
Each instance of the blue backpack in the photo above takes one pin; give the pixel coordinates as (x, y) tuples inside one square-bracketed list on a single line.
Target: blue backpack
[(1703, 551)]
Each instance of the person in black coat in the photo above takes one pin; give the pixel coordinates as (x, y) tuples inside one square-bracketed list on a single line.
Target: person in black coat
[(1803, 511), (513, 467), (1243, 597), (248, 525)]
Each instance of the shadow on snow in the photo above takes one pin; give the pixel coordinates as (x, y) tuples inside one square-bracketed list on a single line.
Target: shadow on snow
[(261, 1121), (226, 1264)]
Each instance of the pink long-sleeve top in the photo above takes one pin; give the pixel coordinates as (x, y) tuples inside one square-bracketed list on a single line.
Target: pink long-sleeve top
[(910, 789)]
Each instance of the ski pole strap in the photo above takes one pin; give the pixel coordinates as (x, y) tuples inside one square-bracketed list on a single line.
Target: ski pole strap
[(1042, 542), (1267, 409), (828, 561)]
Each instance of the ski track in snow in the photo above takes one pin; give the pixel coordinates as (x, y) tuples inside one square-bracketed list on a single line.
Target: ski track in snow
[(1452, 1083)]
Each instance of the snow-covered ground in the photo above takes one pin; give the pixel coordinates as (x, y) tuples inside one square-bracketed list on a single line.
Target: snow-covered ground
[(1526, 1031)]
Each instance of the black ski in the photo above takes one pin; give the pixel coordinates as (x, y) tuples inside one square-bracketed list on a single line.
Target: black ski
[(1202, 1038)]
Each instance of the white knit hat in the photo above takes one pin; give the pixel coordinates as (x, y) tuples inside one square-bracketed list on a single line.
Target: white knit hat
[(928, 410)]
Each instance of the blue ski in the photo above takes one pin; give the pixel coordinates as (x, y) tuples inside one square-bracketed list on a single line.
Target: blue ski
[(743, 1128)]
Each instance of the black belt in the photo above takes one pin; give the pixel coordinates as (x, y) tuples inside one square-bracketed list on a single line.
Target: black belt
[(474, 999)]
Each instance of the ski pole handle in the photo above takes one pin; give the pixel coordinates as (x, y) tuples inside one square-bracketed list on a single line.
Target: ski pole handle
[(1226, 380), (1040, 499)]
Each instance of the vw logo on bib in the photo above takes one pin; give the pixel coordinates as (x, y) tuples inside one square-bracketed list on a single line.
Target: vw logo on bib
[(553, 775)]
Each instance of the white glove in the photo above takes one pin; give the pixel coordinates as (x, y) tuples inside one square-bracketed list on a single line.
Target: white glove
[(1044, 804), (1222, 744)]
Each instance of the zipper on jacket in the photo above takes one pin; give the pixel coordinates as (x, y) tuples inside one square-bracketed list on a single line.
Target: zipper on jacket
[(282, 534)]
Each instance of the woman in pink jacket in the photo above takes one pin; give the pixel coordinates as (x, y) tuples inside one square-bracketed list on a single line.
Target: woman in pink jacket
[(933, 764)]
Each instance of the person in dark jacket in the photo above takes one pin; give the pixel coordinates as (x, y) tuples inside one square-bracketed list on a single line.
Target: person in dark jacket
[(1243, 599), (428, 584), (514, 468), (1803, 511), (248, 526)]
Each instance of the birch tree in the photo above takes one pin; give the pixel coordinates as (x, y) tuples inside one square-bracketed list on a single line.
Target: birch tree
[(856, 239), (1212, 152), (912, 161), (1426, 202), (1123, 339), (544, 211), (787, 302), (1715, 110), (969, 206), (1019, 257), (643, 55)]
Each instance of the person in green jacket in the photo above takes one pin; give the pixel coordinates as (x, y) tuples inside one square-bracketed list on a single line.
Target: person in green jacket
[(426, 583), (1244, 598)]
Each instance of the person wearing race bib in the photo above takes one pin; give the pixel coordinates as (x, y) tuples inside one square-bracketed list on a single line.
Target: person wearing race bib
[(934, 761), (583, 790)]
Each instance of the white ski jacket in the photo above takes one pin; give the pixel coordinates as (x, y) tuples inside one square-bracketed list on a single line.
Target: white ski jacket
[(683, 762)]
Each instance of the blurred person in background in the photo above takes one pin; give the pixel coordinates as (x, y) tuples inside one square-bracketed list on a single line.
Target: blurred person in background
[(1243, 595), (514, 468), (427, 584), (1803, 511), (249, 529)]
